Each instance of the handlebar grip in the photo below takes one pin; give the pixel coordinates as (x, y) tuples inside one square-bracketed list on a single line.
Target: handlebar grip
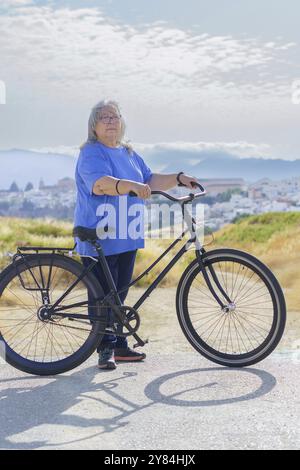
[(198, 185), (195, 185)]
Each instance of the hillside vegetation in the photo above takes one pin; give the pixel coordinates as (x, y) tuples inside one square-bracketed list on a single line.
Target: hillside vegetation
[(273, 237)]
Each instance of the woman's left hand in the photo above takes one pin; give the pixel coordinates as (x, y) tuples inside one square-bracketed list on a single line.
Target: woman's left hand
[(188, 180)]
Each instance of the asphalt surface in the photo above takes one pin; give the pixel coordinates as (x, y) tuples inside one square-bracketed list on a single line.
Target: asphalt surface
[(170, 401)]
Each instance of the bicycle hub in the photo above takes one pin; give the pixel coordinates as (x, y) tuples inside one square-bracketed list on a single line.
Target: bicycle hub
[(229, 308), (44, 313)]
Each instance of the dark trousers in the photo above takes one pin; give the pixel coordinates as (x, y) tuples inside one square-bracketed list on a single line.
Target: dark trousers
[(121, 267)]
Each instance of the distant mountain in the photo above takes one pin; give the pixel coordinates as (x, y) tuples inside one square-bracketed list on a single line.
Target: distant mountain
[(23, 166), (251, 169), (216, 164)]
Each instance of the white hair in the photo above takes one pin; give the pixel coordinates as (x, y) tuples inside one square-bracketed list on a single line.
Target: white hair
[(94, 119)]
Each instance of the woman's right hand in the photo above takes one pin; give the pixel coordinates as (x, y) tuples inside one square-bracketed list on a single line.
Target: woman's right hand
[(142, 190)]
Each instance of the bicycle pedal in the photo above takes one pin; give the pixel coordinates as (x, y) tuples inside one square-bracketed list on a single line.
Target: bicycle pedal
[(141, 343)]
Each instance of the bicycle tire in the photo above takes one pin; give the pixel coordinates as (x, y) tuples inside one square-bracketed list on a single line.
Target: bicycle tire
[(74, 268), (272, 286)]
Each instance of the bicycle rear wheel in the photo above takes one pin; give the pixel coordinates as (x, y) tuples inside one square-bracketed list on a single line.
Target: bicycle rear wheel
[(47, 347), (254, 324)]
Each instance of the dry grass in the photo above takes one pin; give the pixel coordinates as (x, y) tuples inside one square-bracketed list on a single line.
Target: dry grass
[(278, 246), (273, 237)]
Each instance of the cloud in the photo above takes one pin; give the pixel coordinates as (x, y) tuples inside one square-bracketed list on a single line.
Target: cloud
[(173, 84), (59, 150), (239, 148), (15, 3), (82, 47)]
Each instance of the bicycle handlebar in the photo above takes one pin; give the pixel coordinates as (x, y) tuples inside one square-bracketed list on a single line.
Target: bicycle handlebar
[(187, 198)]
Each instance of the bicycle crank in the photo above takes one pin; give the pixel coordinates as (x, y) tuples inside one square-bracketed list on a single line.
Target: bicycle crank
[(131, 322)]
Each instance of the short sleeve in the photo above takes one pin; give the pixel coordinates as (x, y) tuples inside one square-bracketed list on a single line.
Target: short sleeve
[(91, 166), (147, 173)]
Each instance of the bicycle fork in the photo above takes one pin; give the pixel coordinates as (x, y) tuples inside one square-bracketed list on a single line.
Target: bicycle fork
[(191, 224), (225, 308)]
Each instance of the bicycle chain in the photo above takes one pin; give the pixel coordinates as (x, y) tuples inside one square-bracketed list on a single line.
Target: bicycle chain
[(133, 315), (70, 327)]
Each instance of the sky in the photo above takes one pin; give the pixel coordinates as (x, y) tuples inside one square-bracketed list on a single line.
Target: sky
[(188, 74)]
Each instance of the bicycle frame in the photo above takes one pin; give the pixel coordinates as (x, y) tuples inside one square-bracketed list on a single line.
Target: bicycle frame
[(112, 299), (113, 293)]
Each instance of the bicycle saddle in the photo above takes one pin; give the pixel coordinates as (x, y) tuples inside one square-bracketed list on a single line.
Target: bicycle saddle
[(84, 233), (91, 234)]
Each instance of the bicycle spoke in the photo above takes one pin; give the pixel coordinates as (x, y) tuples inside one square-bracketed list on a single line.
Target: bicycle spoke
[(68, 341), (239, 337), (247, 333), (214, 330), (198, 301), (239, 331), (240, 288), (30, 310), (204, 293), (204, 323), (214, 323), (52, 344), (242, 291), (252, 324), (256, 317), (232, 273), (23, 322), (57, 281), (36, 331), (44, 340), (222, 332), (236, 278), (240, 297)]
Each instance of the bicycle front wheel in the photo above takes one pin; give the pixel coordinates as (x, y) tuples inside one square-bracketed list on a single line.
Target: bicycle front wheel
[(251, 328), (32, 343)]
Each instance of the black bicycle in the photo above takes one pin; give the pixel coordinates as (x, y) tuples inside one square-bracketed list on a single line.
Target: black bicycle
[(229, 304)]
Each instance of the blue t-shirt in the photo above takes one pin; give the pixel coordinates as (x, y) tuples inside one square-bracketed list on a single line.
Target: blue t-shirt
[(123, 215)]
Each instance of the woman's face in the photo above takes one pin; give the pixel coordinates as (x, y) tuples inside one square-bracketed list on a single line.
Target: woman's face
[(108, 127)]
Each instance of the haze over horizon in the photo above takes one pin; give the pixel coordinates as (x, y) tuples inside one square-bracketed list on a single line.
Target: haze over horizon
[(202, 164)]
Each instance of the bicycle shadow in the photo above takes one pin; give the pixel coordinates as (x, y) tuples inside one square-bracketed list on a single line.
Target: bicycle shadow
[(23, 408)]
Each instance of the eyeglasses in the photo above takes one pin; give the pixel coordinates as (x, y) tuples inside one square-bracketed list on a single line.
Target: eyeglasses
[(107, 119)]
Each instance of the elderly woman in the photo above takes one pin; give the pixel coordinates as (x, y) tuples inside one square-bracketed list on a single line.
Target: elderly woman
[(107, 168)]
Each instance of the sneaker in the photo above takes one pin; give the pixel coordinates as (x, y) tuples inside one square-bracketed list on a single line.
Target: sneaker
[(128, 355), (107, 359)]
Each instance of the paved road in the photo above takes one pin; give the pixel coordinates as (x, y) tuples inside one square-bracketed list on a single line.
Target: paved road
[(178, 401)]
